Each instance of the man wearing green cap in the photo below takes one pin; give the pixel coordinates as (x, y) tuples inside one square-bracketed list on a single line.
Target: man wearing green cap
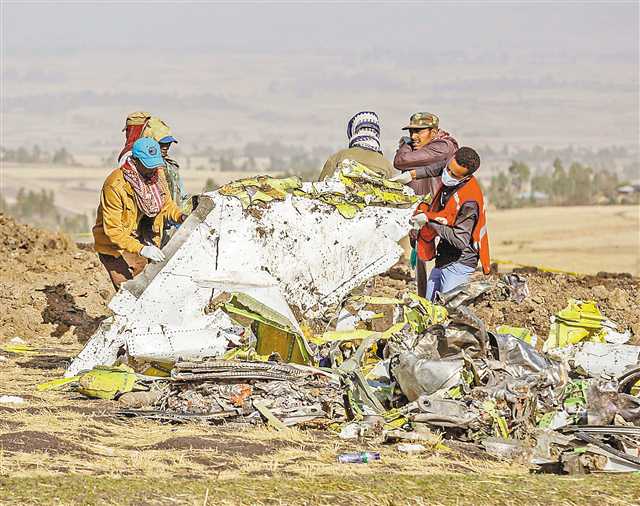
[(160, 131), (426, 146), (143, 124)]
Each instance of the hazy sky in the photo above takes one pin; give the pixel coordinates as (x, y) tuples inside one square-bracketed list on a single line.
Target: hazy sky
[(549, 26), (277, 65)]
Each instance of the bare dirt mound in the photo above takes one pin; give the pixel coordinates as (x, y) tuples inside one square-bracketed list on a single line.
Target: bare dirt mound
[(48, 286), (615, 294)]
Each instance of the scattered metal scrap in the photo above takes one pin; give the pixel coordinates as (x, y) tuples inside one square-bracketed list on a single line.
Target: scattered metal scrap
[(244, 324)]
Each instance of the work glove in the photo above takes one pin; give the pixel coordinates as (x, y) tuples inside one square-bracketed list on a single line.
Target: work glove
[(403, 177), (153, 253), (419, 220)]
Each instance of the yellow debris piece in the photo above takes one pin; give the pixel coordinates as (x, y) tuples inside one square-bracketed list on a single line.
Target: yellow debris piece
[(107, 382), (288, 345), (500, 423), (56, 383), (274, 332), (157, 370), (344, 335), (579, 321), (261, 189), (435, 313), (368, 299), (519, 332), (102, 382), (19, 348), (245, 353), (367, 187), (394, 329)]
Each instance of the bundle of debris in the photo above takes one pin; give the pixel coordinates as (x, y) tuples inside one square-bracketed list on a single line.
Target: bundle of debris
[(262, 313)]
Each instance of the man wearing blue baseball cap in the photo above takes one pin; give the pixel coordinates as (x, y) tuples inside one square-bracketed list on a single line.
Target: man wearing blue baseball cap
[(160, 131), (135, 202)]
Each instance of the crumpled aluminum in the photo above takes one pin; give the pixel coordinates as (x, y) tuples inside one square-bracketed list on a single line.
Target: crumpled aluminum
[(604, 402), (457, 338), (464, 294), (520, 358), (464, 317), (424, 345), (444, 412), (628, 379), (419, 376), (518, 287)]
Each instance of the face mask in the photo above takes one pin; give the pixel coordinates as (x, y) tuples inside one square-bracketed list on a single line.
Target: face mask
[(448, 179)]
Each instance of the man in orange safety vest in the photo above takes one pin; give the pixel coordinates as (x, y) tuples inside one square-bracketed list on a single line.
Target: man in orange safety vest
[(457, 217)]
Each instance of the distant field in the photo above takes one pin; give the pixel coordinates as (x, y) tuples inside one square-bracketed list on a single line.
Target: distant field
[(585, 239), (77, 189), (580, 239)]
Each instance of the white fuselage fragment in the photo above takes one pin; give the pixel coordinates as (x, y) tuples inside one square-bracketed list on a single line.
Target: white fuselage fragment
[(300, 252), (599, 359)]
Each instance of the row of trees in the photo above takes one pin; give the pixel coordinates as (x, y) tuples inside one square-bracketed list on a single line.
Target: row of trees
[(576, 185), (300, 162), (38, 208), (37, 155)]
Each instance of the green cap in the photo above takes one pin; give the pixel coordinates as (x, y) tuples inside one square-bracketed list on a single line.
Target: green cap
[(421, 120)]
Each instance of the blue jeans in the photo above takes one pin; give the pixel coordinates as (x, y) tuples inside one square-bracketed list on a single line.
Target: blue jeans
[(447, 278)]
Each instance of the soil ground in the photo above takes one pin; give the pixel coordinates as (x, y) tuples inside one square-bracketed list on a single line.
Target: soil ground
[(60, 448)]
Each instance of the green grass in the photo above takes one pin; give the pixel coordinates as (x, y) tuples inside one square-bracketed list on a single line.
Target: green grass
[(383, 489)]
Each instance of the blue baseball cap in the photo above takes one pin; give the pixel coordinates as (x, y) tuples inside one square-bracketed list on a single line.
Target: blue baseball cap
[(168, 139), (147, 150)]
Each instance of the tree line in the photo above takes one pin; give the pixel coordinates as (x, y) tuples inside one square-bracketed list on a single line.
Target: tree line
[(36, 155), (573, 186), (38, 208)]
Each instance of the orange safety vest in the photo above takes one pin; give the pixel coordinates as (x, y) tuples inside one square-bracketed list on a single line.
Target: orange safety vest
[(469, 192)]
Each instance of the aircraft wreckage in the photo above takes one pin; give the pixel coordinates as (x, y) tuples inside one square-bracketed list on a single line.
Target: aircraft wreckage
[(257, 316), (286, 250)]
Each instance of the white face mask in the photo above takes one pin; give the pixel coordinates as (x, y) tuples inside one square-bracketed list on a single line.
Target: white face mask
[(448, 179)]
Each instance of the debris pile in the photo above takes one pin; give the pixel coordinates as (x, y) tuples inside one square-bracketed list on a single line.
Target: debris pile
[(283, 394), (271, 308)]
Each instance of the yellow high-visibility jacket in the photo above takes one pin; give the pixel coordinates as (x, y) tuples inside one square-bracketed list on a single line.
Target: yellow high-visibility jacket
[(118, 216)]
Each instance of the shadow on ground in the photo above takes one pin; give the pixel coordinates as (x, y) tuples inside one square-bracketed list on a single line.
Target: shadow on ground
[(63, 312)]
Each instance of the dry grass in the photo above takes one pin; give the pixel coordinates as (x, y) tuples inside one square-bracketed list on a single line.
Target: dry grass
[(63, 449), (585, 239)]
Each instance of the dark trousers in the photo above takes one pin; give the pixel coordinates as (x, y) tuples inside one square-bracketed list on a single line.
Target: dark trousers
[(421, 277)]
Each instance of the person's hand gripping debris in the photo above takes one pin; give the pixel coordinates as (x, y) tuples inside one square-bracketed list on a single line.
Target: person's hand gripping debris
[(153, 253), (418, 221), (404, 177)]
